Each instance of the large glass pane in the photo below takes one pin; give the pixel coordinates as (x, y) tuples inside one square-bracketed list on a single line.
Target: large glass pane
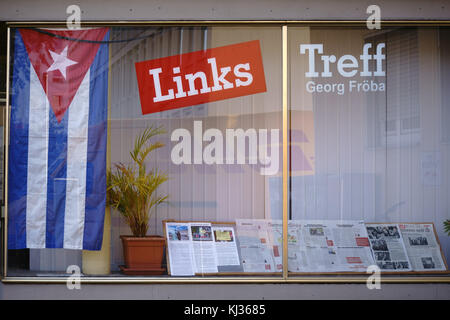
[(209, 98), (369, 157)]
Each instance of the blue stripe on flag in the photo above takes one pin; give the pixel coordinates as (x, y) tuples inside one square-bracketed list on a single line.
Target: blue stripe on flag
[(56, 180), (18, 163), (96, 153)]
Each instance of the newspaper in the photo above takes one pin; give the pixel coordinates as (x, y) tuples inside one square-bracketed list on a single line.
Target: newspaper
[(388, 248), (308, 249), (313, 246), (352, 242), (328, 246), (256, 252), (422, 246)]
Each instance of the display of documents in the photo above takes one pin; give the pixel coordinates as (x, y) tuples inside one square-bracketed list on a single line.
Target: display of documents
[(199, 248), (313, 246), (328, 246)]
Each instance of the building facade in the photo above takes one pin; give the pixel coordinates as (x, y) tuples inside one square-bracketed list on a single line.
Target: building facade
[(305, 146)]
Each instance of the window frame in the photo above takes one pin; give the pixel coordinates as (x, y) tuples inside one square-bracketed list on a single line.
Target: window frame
[(284, 25)]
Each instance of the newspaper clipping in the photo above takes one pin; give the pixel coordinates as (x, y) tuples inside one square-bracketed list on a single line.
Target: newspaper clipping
[(388, 248), (180, 249), (205, 256), (256, 253), (353, 247), (422, 247), (328, 246), (308, 247)]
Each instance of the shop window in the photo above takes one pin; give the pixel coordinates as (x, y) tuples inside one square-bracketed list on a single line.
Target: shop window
[(361, 98), (367, 171)]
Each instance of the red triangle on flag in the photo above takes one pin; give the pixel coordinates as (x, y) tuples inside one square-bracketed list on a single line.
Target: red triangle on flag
[(61, 63)]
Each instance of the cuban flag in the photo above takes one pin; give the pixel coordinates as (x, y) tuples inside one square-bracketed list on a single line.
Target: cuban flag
[(58, 136)]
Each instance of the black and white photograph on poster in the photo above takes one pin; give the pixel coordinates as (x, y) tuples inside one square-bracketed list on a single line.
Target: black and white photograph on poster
[(383, 232), (316, 231), (428, 263), (382, 256), (379, 245), (398, 265), (386, 265), (418, 241)]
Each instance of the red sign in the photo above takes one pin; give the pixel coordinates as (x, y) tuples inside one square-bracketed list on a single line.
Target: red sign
[(200, 77), (353, 259), (276, 252)]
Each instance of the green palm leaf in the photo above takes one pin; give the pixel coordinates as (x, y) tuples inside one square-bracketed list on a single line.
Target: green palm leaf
[(447, 226), (132, 190)]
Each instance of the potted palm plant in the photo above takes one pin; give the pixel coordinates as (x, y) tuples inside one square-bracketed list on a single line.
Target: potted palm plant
[(132, 191), (447, 226)]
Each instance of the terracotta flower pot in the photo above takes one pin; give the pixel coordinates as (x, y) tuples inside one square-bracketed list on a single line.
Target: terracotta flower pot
[(143, 255)]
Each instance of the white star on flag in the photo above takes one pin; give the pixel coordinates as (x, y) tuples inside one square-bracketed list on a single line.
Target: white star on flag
[(61, 62)]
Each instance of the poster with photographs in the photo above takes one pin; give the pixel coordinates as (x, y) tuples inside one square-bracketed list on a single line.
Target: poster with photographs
[(388, 248), (191, 248), (422, 246), (180, 249), (205, 255), (225, 240)]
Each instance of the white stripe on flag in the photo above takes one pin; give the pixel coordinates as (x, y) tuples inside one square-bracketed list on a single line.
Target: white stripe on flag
[(77, 139), (37, 164)]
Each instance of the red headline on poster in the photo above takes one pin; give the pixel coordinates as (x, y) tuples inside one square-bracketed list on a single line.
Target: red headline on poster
[(200, 77), (362, 242)]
